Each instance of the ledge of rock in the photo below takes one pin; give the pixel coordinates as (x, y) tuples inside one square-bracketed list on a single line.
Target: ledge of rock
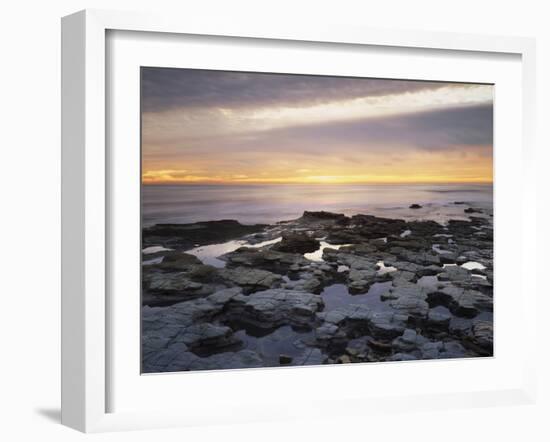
[(296, 243)]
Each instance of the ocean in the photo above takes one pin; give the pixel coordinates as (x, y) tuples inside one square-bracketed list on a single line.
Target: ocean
[(270, 203)]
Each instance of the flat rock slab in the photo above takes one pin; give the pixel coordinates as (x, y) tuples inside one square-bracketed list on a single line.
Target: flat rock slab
[(463, 302), (250, 279), (271, 308), (186, 361), (355, 320), (265, 259), (412, 345)]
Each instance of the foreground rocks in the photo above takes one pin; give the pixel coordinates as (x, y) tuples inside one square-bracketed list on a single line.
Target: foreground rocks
[(191, 335), (265, 306)]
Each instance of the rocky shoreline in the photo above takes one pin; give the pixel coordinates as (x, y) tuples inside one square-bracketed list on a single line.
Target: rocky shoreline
[(322, 289)]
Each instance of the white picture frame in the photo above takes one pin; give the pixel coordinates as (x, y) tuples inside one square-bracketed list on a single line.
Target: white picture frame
[(86, 316)]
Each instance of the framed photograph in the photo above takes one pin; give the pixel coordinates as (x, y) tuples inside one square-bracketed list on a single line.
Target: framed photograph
[(293, 220), (250, 214)]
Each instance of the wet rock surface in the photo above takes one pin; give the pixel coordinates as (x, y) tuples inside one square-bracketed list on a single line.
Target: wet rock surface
[(322, 289)]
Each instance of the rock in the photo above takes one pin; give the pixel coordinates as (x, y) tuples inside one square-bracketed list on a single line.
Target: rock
[(459, 327), (186, 236), (481, 337), (166, 322), (270, 292), (167, 288), (421, 258), (424, 229), (360, 320), (356, 262), (411, 305), (250, 279), (330, 334), (183, 336), (285, 359), (179, 261), (159, 361), (344, 359), (372, 227), (409, 243), (465, 279), (386, 325), (409, 267), (381, 346), (222, 297), (168, 282), (308, 284), (322, 216), (174, 332), (402, 357), (462, 302), (442, 350), (297, 243), (455, 274), (409, 300), (358, 348), (360, 280), (431, 350), (439, 319), (415, 206), (431, 270), (368, 249), (220, 361), (266, 259), (271, 308), (205, 334), (409, 341), (452, 349), (472, 210), (419, 347), (202, 273), (344, 237), (312, 356), (402, 278)]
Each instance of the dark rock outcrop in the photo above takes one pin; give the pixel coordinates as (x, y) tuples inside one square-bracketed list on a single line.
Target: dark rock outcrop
[(186, 236), (296, 243)]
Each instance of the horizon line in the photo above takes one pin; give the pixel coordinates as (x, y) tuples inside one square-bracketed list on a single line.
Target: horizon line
[(237, 183)]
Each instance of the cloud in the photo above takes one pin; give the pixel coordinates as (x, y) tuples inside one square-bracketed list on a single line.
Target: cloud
[(166, 88), (455, 129), (244, 124), (430, 130), (208, 126)]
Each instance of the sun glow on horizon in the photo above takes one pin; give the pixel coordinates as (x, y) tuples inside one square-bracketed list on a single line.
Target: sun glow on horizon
[(417, 167), (152, 178), (265, 129)]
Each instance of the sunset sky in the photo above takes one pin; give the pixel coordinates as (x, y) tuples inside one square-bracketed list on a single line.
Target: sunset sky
[(229, 127)]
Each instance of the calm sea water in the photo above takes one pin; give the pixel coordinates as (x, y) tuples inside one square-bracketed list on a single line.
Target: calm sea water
[(250, 204)]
